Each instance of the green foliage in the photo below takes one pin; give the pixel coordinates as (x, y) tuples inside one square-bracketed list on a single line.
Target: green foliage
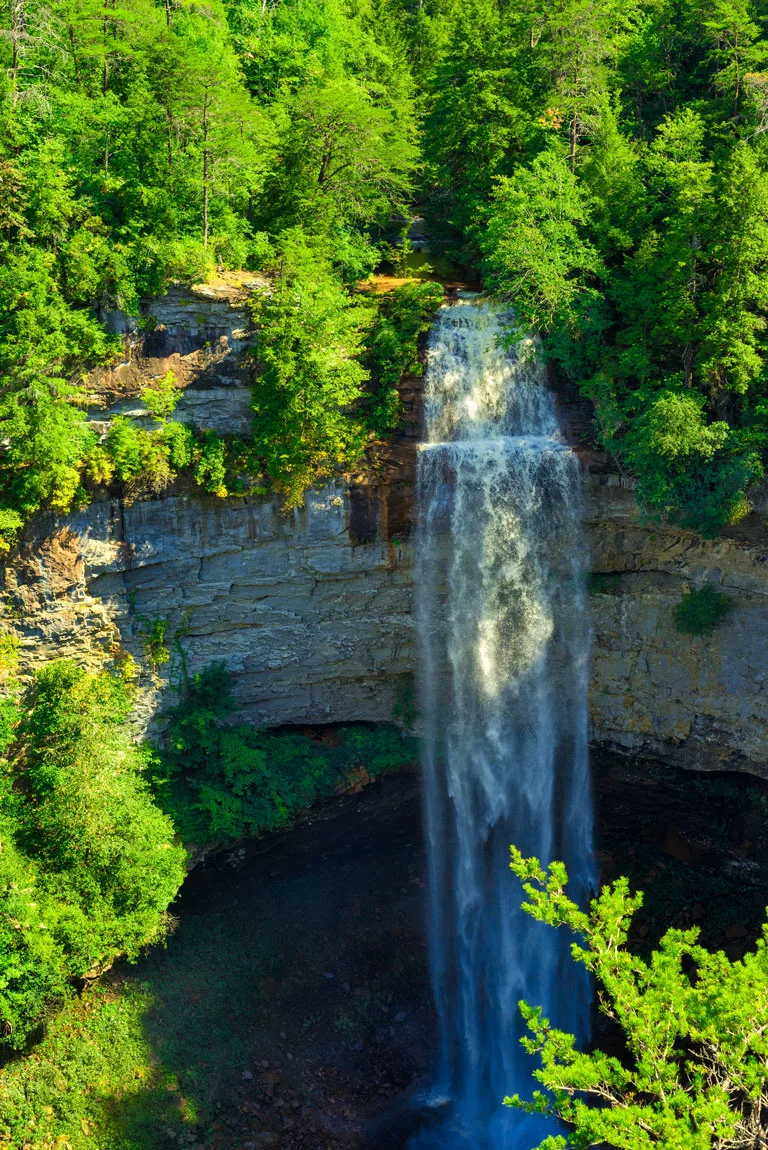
[(694, 1076), (608, 165), (211, 469), (95, 1051), (220, 782), (160, 145), (162, 397), (310, 336), (88, 861), (701, 610), (347, 158), (695, 472), (33, 970), (154, 633), (538, 257), (393, 345)]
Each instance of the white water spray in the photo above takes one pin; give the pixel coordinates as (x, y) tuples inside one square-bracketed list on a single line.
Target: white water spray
[(504, 643)]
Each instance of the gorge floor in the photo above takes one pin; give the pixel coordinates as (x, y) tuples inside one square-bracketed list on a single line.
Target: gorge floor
[(292, 1009)]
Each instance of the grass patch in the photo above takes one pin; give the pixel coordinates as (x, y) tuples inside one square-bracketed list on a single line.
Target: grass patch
[(700, 611), (137, 1060), (603, 583)]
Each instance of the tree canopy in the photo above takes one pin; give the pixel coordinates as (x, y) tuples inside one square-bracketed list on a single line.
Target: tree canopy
[(694, 1023), (602, 165)]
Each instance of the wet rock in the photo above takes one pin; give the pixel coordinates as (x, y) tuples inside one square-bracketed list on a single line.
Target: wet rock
[(676, 846)]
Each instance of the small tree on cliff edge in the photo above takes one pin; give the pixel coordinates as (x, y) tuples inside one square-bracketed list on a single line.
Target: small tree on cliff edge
[(695, 1026)]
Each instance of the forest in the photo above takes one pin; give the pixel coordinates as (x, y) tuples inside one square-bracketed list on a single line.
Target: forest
[(600, 165)]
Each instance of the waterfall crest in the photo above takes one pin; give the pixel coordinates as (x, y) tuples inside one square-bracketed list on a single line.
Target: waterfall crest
[(504, 646)]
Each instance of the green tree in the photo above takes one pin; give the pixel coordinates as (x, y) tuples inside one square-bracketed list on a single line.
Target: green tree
[(695, 1075), (89, 862), (536, 253), (310, 337), (346, 162), (477, 121), (731, 28)]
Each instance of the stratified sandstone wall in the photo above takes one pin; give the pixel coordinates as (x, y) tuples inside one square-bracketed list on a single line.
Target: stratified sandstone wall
[(313, 626), (699, 702), (312, 612)]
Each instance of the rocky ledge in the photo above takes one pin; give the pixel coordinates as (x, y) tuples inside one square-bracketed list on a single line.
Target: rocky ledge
[(312, 612)]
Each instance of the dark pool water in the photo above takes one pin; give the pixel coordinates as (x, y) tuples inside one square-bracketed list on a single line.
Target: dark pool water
[(293, 1003)]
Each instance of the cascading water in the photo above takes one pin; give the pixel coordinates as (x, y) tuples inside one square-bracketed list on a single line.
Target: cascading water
[(504, 642)]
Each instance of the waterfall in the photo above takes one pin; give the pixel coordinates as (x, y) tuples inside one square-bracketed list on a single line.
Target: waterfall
[(504, 643)]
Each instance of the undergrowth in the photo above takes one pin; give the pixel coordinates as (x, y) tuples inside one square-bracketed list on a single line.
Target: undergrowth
[(219, 781), (700, 611)]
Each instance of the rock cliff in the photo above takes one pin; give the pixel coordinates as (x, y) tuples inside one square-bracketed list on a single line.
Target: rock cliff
[(696, 701), (311, 611), (313, 626), (316, 625)]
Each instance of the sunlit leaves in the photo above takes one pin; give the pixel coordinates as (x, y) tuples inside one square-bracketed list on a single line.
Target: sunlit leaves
[(695, 1075)]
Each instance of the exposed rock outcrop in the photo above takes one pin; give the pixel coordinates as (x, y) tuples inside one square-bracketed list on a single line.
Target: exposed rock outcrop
[(312, 611), (697, 701), (200, 333), (313, 625)]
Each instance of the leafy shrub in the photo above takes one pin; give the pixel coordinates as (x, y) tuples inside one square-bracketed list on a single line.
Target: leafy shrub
[(693, 1072), (88, 863), (693, 471), (154, 634), (162, 397), (33, 967), (210, 469), (392, 347), (220, 782), (700, 611)]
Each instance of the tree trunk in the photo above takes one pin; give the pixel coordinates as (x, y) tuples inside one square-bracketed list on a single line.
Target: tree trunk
[(688, 364), (168, 12), (205, 172), (18, 31), (74, 54), (169, 134), (105, 70)]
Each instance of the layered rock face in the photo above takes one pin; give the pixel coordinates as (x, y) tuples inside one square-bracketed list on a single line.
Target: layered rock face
[(313, 626), (697, 701), (315, 623), (311, 611), (201, 334)]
